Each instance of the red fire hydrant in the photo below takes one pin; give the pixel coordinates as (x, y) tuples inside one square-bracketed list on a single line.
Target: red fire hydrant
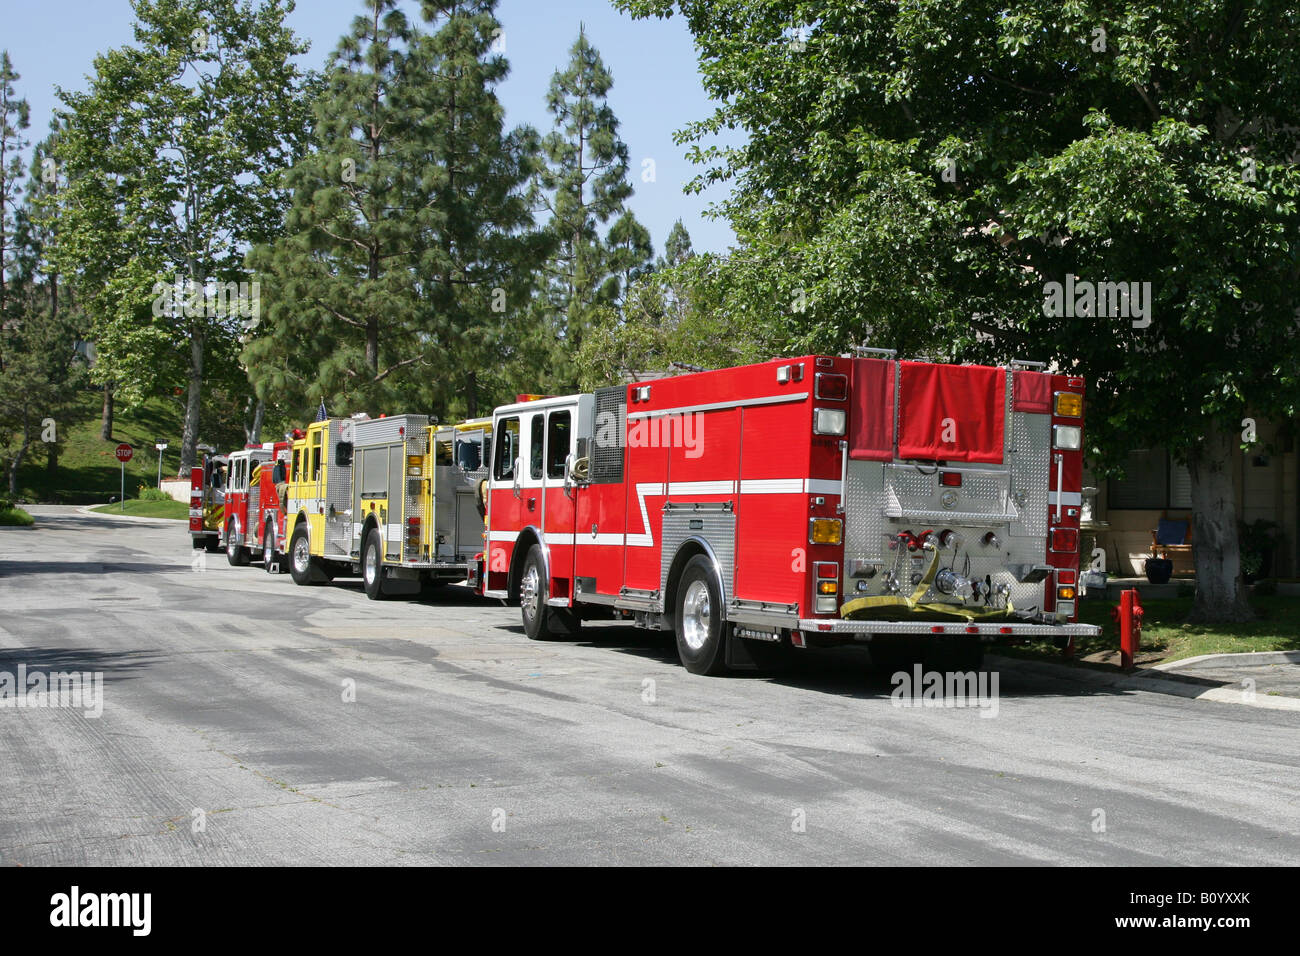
[(1129, 617)]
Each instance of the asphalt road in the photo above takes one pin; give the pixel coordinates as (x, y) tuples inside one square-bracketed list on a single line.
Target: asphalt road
[(225, 713)]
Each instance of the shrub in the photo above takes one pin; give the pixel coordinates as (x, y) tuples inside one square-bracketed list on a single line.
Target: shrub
[(154, 494)]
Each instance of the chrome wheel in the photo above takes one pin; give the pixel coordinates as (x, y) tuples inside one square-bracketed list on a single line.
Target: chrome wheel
[(697, 615), (530, 591), (301, 556), (370, 567)]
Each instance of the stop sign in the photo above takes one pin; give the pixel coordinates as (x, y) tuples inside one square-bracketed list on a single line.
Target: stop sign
[(124, 452)]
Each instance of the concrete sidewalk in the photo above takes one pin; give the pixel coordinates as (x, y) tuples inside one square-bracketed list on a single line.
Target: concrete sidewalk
[(1274, 673), (1215, 677)]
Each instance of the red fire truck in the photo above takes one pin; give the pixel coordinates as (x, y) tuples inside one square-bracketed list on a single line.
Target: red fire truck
[(926, 509), (270, 523), (243, 497), (208, 502)]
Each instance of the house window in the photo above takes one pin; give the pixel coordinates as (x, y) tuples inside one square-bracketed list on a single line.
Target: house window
[(1152, 481)]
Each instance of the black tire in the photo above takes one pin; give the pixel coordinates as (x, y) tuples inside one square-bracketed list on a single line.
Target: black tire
[(303, 568), (236, 555), (270, 560), (542, 622), (372, 565), (697, 621)]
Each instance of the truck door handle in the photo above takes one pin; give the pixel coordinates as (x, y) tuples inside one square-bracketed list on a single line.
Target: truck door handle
[(532, 504)]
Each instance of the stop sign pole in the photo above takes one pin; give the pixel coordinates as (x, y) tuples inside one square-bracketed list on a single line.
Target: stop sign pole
[(123, 453)]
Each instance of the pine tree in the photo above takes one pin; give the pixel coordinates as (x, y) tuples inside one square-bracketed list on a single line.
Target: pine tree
[(13, 121), (630, 255), (409, 229), (587, 178)]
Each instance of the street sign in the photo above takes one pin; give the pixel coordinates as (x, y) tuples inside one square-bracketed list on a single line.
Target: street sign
[(124, 452)]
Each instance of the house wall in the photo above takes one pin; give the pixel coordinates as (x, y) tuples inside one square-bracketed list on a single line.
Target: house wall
[(1266, 489)]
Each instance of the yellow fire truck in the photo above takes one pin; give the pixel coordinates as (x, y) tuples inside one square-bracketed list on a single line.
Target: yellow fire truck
[(397, 500)]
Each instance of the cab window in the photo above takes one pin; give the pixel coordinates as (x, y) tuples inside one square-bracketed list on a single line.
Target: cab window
[(535, 447), (506, 449), (557, 443), (296, 453), (315, 456)]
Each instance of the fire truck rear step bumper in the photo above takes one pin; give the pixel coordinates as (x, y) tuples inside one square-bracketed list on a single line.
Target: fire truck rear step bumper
[(996, 629)]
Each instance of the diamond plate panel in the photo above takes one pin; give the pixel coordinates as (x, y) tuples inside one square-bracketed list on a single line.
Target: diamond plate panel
[(718, 529), (1031, 460), (864, 521)]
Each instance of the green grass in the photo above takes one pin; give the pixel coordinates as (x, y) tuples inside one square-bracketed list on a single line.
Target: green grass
[(12, 517), (148, 509), (87, 471), (1276, 628)]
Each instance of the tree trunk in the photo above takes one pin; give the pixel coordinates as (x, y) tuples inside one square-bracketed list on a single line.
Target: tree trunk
[(253, 433), (106, 416), (1220, 591), (17, 461), (193, 397)]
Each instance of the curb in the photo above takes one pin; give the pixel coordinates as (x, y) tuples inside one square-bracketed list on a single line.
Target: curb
[(1247, 657), (1174, 685), (112, 517)]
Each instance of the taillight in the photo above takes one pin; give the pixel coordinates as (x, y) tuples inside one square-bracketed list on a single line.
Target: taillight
[(825, 531), (832, 386), (1065, 576), (950, 478), (1069, 404), (1065, 539), (828, 421)]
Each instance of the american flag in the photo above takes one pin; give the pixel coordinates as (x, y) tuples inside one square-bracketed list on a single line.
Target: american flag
[(321, 414)]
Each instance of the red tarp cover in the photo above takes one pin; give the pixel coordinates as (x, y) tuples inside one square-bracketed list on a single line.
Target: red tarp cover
[(952, 412), (1031, 392), (871, 419)]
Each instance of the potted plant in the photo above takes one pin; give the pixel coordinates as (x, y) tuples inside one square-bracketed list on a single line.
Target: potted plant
[(1159, 570)]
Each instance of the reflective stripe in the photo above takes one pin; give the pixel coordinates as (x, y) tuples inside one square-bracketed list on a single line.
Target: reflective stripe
[(714, 406)]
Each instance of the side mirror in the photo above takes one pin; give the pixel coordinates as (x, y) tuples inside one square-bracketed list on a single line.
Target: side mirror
[(343, 454)]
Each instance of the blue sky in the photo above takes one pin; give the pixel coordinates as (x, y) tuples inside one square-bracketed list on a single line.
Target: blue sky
[(657, 87)]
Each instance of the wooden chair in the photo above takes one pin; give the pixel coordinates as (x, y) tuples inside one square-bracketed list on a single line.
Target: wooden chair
[(1172, 539)]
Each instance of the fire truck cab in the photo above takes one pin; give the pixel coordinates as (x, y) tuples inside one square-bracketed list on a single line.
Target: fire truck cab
[(814, 500), (242, 503)]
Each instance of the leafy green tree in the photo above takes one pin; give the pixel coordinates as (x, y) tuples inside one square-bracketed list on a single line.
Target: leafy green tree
[(172, 157), (918, 175), (409, 236)]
